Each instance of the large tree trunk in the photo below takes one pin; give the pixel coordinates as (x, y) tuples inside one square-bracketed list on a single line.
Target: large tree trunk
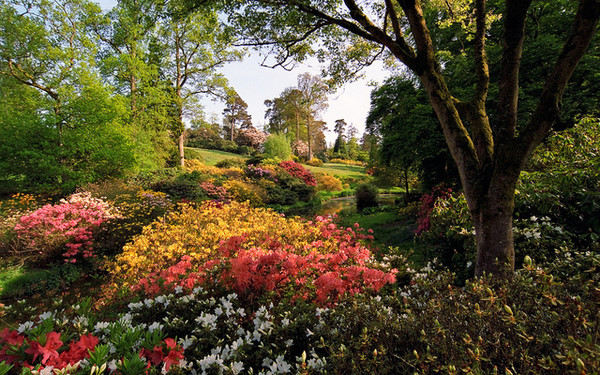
[(493, 221)]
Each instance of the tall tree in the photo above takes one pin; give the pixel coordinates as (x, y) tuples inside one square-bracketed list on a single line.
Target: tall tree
[(196, 45), (401, 115), (235, 115), (313, 100), (129, 60), (489, 155), (59, 125), (284, 113)]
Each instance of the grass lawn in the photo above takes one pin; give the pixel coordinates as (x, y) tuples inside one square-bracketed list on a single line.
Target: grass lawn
[(390, 229), (212, 157), (339, 170)]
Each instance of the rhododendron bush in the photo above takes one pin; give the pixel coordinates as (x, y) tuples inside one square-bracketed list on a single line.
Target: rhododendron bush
[(297, 170), (252, 251), (65, 229)]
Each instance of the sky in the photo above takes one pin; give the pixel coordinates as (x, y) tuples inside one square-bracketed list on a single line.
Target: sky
[(255, 84)]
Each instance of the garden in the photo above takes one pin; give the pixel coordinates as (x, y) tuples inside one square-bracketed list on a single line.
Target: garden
[(190, 272), (458, 234)]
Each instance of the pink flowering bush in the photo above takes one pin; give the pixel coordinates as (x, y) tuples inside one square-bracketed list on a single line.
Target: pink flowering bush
[(300, 148), (428, 202), (215, 192), (297, 170), (251, 137), (64, 230), (255, 172)]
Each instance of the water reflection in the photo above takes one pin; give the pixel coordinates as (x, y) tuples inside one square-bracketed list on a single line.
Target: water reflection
[(336, 205)]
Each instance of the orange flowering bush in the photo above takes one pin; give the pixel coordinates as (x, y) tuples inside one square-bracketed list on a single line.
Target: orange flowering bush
[(251, 251)]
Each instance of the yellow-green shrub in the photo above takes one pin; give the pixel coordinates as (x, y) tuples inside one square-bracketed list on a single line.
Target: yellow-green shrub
[(315, 162), (192, 165), (346, 162), (242, 192), (328, 183)]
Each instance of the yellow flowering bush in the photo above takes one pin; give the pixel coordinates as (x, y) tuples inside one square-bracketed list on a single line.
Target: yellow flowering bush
[(198, 232), (251, 251), (328, 183), (242, 192), (193, 165), (347, 162)]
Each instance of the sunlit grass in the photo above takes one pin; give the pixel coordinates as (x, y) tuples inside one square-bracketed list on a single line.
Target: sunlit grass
[(212, 157)]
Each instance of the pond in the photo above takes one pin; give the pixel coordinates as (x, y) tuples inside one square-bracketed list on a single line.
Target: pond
[(336, 205)]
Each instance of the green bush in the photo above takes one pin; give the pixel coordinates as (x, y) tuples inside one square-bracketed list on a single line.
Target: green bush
[(530, 325), (183, 186), (277, 145), (231, 163), (366, 196), (451, 235), (245, 150)]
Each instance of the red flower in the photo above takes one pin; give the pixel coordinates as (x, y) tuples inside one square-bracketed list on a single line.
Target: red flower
[(48, 351), (175, 354)]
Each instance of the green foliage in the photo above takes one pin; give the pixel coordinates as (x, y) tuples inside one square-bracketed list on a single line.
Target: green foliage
[(277, 145), (401, 114), (531, 324), (23, 283), (229, 163), (366, 196), (452, 235)]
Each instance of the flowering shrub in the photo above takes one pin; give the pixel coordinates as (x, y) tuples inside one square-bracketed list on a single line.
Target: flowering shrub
[(10, 211), (297, 170), (251, 137), (66, 229), (315, 162), (258, 172), (427, 203), (252, 251), (300, 148), (193, 165), (347, 162), (245, 192), (136, 208), (529, 325), (214, 191), (328, 183), (66, 344), (451, 233), (27, 351)]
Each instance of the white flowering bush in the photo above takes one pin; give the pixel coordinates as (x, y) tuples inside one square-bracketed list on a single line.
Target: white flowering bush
[(222, 335)]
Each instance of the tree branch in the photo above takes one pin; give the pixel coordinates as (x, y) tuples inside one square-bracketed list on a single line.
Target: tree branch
[(481, 63), (480, 124), (398, 47), (548, 108), (508, 97)]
